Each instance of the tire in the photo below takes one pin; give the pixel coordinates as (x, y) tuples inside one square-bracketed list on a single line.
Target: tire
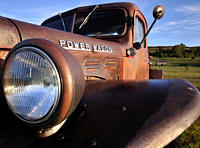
[(175, 144)]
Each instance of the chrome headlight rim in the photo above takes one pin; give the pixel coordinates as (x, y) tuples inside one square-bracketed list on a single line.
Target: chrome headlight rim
[(42, 53), (72, 83)]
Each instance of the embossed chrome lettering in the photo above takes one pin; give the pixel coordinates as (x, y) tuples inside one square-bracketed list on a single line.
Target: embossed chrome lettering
[(84, 46)]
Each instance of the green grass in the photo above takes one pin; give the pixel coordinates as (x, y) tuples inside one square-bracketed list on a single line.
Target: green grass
[(188, 69)]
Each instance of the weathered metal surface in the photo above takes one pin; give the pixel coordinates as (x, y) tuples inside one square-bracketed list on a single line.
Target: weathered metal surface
[(78, 46), (3, 54), (9, 35), (117, 114), (66, 39)]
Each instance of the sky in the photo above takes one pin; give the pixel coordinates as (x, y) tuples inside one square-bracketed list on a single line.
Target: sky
[(180, 23)]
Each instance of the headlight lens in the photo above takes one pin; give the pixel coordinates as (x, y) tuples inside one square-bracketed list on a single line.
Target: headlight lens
[(31, 84)]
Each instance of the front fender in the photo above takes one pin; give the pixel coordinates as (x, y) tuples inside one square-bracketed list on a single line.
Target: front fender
[(138, 113)]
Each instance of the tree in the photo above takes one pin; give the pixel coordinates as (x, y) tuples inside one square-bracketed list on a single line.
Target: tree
[(179, 50)]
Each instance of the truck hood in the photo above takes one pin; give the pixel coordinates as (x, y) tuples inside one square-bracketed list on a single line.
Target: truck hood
[(70, 41)]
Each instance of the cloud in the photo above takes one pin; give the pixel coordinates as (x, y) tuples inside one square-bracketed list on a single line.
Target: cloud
[(35, 15), (180, 27), (189, 9), (40, 10), (195, 28), (7, 15), (175, 32)]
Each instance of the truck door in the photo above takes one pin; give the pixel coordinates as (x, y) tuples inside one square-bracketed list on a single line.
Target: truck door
[(139, 29)]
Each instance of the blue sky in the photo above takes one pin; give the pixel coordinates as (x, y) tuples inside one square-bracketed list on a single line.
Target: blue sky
[(180, 24)]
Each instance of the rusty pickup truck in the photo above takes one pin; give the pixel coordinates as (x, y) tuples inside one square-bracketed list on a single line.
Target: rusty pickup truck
[(83, 78)]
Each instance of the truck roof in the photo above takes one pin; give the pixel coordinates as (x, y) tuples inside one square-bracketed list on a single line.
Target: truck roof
[(126, 5)]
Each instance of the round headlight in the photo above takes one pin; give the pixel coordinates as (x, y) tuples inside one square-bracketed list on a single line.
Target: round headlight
[(31, 84)]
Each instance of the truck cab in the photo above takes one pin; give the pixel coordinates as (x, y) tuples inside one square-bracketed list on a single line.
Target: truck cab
[(119, 24)]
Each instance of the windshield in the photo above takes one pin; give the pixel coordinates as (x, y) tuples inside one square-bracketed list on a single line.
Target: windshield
[(58, 24), (101, 23)]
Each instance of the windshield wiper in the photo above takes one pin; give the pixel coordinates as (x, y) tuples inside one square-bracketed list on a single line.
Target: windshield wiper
[(88, 16), (63, 23)]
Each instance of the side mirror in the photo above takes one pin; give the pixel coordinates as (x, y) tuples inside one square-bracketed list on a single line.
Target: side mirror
[(158, 13)]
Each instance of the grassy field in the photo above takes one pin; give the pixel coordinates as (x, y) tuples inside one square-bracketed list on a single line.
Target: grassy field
[(188, 69)]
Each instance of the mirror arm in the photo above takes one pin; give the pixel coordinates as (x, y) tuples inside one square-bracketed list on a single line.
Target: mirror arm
[(158, 13), (149, 30)]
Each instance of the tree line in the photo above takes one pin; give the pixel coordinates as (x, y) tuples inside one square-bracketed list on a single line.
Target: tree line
[(179, 51)]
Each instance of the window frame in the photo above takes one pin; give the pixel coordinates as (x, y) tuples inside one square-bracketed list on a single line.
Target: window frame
[(140, 17), (106, 36)]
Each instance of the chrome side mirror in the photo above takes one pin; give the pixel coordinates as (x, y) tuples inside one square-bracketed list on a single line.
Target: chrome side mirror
[(158, 11)]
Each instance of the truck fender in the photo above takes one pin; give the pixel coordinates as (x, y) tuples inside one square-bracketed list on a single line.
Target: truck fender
[(9, 34), (136, 113)]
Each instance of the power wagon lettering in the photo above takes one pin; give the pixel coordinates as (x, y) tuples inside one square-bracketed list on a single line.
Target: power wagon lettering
[(84, 46)]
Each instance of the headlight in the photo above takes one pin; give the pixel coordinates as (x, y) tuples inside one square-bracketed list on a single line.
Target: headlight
[(31, 84), (43, 84)]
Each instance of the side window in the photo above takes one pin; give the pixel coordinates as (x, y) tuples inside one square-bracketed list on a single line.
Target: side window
[(139, 30)]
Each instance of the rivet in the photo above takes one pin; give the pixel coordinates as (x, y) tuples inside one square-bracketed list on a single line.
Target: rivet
[(190, 88), (83, 105), (39, 132), (61, 136), (122, 108), (93, 142)]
